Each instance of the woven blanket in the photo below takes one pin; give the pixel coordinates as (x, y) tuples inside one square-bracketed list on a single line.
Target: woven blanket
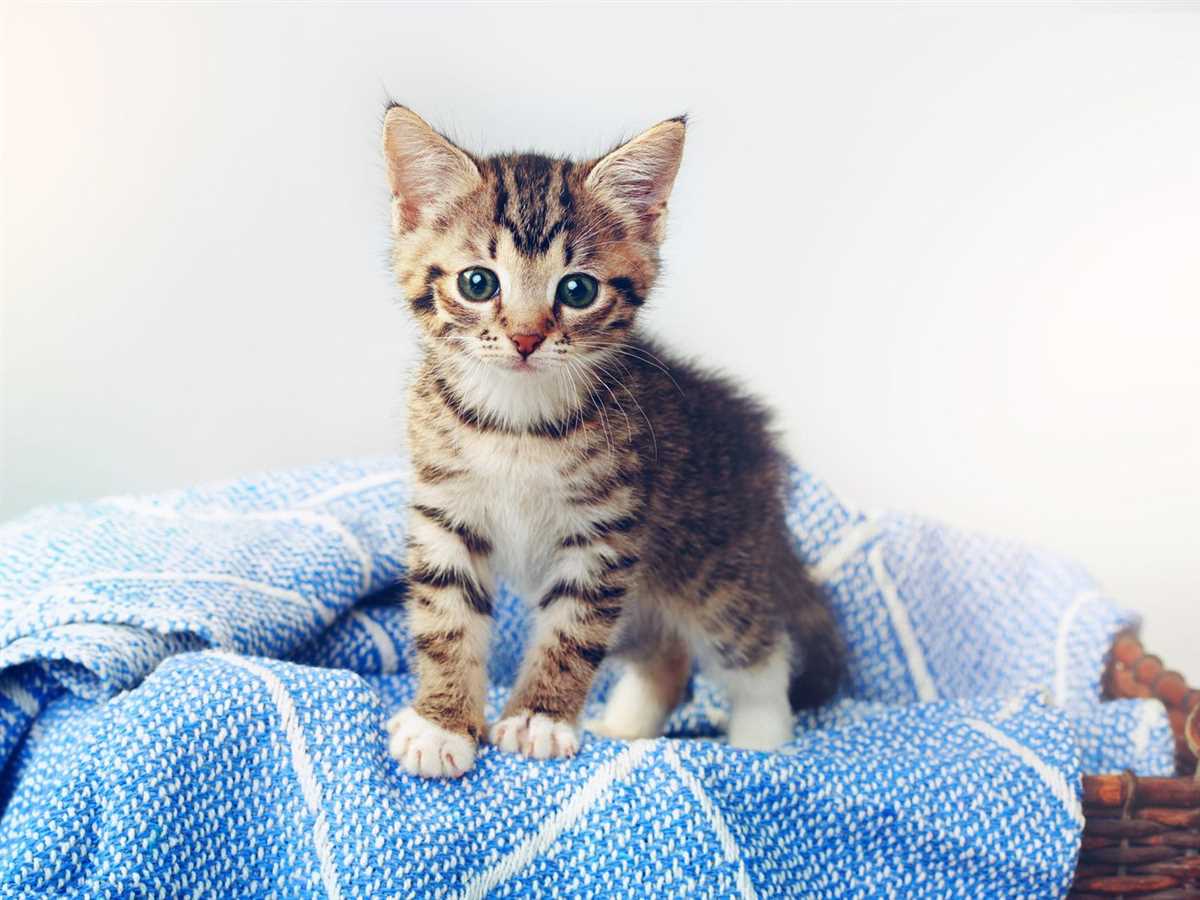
[(193, 688)]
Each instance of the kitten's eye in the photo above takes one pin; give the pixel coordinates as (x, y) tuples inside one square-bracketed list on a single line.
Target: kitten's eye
[(478, 284), (577, 290)]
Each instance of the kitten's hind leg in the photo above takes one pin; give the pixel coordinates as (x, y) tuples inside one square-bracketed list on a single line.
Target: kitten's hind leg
[(646, 692), (760, 716)]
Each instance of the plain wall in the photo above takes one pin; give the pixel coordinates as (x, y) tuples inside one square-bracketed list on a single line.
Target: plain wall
[(957, 248)]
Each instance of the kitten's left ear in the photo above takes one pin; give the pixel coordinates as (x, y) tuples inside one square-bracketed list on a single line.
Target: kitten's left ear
[(639, 174)]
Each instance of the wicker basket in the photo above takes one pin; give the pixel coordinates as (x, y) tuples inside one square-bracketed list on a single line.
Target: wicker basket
[(1142, 835)]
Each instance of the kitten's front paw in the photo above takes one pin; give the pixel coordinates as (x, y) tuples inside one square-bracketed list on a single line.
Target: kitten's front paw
[(538, 736), (426, 749)]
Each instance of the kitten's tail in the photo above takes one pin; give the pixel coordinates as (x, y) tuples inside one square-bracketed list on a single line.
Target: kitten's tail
[(818, 652)]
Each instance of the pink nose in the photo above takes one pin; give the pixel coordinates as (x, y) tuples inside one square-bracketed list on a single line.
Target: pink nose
[(527, 343)]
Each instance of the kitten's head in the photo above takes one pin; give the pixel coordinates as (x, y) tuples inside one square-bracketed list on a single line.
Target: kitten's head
[(523, 262)]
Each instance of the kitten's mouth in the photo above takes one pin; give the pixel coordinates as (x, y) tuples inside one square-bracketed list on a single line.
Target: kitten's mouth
[(520, 365)]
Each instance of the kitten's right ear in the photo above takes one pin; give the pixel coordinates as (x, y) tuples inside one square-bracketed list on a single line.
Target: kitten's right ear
[(424, 169)]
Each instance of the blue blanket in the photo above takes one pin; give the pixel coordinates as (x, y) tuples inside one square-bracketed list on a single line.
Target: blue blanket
[(194, 687)]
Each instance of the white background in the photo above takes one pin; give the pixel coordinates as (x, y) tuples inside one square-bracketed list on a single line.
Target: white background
[(957, 248)]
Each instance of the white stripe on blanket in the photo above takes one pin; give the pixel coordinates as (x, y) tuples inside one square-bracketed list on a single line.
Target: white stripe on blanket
[(24, 700), (260, 587), (926, 690), (1052, 778), (353, 487), (319, 520), (570, 813), (1151, 714), (302, 763), (1065, 625), (850, 542), (728, 845), (389, 659)]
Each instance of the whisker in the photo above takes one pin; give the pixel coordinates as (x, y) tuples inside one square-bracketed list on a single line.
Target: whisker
[(649, 425), (631, 351), (599, 406), (604, 384)]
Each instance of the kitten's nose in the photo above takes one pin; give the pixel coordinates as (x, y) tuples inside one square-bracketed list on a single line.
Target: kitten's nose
[(527, 343)]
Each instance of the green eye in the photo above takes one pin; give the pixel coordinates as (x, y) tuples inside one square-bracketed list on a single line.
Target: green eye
[(577, 290), (478, 284)]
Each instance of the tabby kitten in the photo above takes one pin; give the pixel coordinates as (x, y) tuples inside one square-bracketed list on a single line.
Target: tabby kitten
[(634, 501)]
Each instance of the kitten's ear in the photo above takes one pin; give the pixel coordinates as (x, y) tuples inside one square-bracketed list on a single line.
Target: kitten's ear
[(638, 175), (424, 169)]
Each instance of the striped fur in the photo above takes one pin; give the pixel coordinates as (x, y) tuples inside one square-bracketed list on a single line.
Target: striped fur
[(635, 501)]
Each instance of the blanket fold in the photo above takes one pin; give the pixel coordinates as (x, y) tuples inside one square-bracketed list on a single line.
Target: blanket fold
[(193, 686)]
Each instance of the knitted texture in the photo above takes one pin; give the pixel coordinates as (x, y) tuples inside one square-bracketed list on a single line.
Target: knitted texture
[(194, 687)]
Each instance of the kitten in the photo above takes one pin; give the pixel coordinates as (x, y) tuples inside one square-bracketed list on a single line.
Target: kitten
[(635, 502)]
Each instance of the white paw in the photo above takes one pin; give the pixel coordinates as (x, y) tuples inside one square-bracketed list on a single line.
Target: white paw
[(760, 727), (427, 749), (538, 736), (619, 731), (635, 709)]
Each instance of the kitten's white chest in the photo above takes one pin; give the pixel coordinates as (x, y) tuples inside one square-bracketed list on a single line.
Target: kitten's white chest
[(517, 493)]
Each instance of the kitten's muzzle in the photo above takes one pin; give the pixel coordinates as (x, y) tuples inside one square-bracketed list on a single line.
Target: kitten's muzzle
[(526, 343)]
